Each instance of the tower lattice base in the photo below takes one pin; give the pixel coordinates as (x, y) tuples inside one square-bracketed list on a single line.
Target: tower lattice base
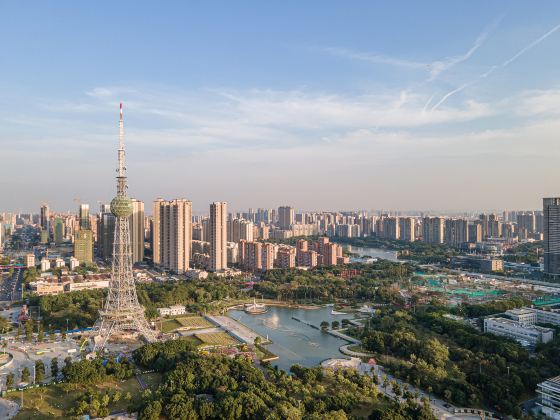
[(115, 322)]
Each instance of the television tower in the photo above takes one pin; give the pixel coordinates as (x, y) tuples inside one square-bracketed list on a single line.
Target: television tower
[(121, 311)]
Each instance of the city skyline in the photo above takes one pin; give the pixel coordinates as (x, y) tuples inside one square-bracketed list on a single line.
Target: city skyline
[(370, 114)]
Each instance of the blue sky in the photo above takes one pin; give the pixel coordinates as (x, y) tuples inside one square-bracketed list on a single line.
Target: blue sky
[(334, 105)]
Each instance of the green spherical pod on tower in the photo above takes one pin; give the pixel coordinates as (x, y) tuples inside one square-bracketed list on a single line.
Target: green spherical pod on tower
[(121, 207)]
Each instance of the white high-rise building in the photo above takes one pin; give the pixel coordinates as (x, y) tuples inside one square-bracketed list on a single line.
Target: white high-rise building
[(136, 222), (172, 234), (218, 236)]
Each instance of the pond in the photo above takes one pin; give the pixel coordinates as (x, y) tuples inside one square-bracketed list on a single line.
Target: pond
[(293, 341), (373, 252)]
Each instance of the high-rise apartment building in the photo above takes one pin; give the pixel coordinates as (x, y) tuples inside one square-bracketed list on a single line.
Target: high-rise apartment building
[(136, 223), (84, 217), (407, 229), (106, 234), (551, 214), (58, 231), (286, 257), (286, 217), (83, 246), (172, 234), (391, 228), (475, 232), (432, 230), (218, 236), (456, 232), (45, 216)]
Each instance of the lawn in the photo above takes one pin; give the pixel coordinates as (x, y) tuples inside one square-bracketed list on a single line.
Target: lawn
[(54, 401), (194, 322), (197, 342), (185, 323), (170, 325), (217, 339)]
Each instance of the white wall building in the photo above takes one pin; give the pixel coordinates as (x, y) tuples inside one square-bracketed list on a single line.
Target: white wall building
[(529, 335), (172, 310), (45, 264), (531, 316), (549, 398)]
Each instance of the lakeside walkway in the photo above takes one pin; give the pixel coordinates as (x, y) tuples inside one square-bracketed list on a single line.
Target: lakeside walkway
[(344, 336), (238, 330)]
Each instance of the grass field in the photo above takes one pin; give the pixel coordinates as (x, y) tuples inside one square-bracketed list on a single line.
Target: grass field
[(54, 401), (194, 322), (170, 325), (217, 339), (185, 323)]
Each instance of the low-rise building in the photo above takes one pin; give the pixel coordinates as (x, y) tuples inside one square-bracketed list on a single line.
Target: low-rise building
[(45, 264), (42, 288), (87, 285), (549, 398), (532, 316), (523, 315), (172, 310), (74, 263), (30, 260), (59, 263), (196, 274), (528, 335)]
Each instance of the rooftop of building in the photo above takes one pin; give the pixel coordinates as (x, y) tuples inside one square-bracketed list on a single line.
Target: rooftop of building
[(552, 381), (520, 311), (520, 325)]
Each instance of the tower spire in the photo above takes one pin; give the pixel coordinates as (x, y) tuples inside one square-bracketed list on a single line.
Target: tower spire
[(121, 178)]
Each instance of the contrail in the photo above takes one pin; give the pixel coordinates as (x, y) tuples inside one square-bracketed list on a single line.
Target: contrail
[(496, 67), (446, 64)]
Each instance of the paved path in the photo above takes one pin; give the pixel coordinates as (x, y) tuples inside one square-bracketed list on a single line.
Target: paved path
[(8, 409), (236, 329), (345, 350), (441, 409), (186, 333), (344, 336)]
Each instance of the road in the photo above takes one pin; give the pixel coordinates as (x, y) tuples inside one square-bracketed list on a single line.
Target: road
[(440, 408), (8, 409)]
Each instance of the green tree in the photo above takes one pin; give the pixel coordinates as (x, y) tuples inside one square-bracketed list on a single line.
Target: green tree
[(117, 396), (25, 374), (128, 396), (335, 325), (324, 325), (435, 352), (10, 380), (40, 334), (54, 367), (29, 330), (39, 371), (152, 411)]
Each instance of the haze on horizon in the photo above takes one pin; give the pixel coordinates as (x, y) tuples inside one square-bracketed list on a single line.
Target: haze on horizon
[(382, 105)]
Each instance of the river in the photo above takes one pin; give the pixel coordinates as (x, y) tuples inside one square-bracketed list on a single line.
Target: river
[(373, 252), (295, 342)]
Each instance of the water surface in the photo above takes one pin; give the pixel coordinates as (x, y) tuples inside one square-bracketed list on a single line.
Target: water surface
[(373, 252), (295, 342)]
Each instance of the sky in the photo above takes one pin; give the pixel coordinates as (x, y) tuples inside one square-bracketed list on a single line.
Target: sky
[(432, 105)]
